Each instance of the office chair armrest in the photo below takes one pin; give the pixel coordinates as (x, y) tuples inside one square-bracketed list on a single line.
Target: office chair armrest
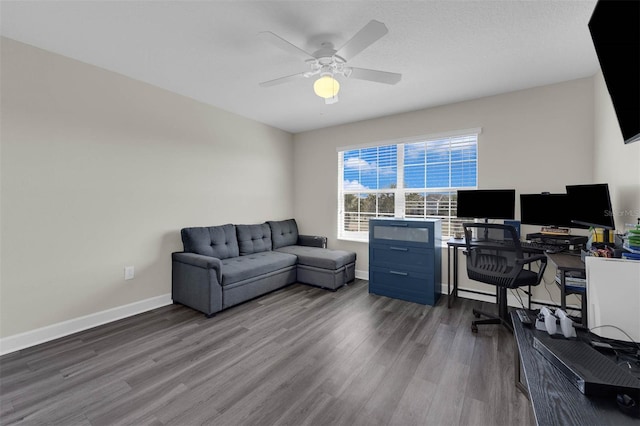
[(469, 250), (543, 264)]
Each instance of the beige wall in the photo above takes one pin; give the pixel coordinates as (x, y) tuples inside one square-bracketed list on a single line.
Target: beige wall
[(615, 163), (532, 140), (99, 171)]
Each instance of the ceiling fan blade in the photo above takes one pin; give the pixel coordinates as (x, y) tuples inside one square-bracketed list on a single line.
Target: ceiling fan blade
[(363, 39), (374, 75), (281, 80), (283, 44)]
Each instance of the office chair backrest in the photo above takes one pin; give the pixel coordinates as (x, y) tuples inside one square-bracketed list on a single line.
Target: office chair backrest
[(494, 256)]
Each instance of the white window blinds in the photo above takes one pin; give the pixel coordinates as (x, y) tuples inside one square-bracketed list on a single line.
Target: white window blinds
[(417, 178)]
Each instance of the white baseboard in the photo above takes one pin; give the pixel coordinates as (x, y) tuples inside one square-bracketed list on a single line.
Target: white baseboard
[(51, 332), (363, 275), (512, 300)]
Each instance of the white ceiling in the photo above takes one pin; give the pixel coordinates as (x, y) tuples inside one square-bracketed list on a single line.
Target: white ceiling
[(447, 51)]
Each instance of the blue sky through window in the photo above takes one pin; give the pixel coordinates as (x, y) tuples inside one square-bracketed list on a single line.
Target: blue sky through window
[(370, 168), (442, 163)]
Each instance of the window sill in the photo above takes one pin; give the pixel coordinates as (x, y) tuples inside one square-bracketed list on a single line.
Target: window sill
[(354, 240)]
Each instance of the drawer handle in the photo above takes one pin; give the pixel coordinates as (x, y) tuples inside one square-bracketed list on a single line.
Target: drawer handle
[(399, 224), (399, 248), (404, 274)]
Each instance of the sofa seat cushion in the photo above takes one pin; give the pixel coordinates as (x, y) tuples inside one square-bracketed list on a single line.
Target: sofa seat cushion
[(320, 257), (240, 268)]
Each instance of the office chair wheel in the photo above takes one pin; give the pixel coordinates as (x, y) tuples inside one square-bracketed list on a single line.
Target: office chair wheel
[(474, 328)]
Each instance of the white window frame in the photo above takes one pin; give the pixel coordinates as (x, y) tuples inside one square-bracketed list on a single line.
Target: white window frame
[(400, 191)]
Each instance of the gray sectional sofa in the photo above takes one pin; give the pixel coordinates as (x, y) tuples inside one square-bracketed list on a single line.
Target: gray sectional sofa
[(222, 266)]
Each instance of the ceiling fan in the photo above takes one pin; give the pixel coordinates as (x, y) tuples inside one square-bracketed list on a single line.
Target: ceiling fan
[(327, 62)]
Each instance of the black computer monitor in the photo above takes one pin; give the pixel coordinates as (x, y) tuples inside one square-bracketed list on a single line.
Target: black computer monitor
[(546, 210), (590, 206), (487, 203)]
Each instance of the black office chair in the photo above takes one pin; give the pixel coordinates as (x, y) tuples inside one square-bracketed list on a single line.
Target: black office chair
[(494, 256)]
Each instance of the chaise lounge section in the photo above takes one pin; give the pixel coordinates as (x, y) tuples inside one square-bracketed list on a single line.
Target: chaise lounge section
[(222, 266)]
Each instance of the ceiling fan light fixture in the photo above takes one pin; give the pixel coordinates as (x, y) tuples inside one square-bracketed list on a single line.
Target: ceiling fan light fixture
[(326, 86)]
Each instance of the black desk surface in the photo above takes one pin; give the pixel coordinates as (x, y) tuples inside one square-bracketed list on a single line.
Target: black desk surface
[(555, 400), (567, 262)]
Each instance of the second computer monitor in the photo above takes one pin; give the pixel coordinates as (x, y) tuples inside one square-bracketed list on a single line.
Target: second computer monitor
[(486, 203), (546, 210)]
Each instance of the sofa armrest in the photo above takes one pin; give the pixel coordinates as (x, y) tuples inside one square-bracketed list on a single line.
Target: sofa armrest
[(200, 261), (312, 241), (196, 281)]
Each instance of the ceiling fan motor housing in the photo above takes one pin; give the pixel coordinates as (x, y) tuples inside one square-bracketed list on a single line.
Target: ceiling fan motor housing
[(327, 61)]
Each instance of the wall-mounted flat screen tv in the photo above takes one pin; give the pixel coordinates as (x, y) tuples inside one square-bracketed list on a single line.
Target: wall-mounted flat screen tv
[(615, 31)]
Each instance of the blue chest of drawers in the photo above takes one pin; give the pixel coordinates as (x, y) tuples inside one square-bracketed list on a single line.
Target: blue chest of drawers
[(405, 258)]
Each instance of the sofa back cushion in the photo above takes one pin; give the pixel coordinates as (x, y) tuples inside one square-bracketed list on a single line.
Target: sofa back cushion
[(215, 241), (253, 238), (283, 233)]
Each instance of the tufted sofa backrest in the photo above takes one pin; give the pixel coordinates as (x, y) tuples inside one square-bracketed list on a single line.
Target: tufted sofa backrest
[(283, 233), (215, 241), (253, 238)]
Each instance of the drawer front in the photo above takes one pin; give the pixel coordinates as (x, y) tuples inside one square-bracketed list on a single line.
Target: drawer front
[(419, 234), (398, 255), (402, 284)]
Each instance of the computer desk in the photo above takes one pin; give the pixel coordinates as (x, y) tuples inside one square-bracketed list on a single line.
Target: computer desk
[(555, 400), (566, 263), (454, 244)]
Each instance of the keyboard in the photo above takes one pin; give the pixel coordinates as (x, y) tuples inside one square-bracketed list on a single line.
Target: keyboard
[(553, 248), (532, 245)]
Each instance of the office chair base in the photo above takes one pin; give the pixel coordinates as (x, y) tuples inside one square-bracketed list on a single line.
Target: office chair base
[(491, 319)]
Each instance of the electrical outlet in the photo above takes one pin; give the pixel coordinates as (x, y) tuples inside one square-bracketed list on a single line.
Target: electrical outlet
[(129, 272)]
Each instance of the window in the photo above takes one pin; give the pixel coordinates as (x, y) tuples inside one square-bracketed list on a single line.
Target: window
[(416, 178)]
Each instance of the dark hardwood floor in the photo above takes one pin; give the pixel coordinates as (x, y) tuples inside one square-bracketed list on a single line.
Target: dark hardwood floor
[(298, 356)]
